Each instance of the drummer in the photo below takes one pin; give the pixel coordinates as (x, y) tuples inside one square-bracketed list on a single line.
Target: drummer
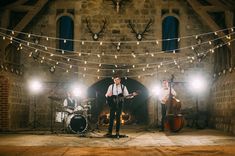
[(70, 103)]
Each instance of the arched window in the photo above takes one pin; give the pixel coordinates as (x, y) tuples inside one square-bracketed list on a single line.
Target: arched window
[(170, 29), (65, 29)]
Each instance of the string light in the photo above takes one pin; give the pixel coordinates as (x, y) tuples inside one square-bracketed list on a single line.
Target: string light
[(221, 45)]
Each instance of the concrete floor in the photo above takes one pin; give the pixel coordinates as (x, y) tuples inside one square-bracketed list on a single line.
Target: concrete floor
[(137, 137)]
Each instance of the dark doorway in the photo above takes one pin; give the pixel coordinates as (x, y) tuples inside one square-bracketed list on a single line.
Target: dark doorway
[(136, 107)]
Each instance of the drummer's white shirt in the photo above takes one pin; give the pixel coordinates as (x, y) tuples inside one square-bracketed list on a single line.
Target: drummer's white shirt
[(71, 100)]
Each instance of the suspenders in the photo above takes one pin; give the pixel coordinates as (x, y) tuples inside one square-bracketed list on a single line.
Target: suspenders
[(122, 87)]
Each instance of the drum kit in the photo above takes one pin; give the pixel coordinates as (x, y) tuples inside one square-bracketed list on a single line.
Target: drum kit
[(75, 120)]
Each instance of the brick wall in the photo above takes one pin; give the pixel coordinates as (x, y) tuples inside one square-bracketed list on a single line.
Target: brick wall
[(222, 105), (4, 104)]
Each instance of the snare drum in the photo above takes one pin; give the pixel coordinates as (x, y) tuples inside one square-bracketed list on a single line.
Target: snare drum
[(76, 123)]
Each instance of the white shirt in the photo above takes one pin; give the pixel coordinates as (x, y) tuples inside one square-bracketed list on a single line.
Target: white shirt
[(71, 100), (164, 95), (117, 89)]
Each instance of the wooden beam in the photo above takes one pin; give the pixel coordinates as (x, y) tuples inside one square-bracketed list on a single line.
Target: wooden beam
[(30, 14), (198, 8)]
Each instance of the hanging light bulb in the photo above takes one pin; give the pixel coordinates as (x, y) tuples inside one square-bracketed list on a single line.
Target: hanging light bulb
[(158, 66), (68, 59), (178, 39), (65, 41), (98, 77), (137, 42), (101, 43), (67, 71), (3, 37), (57, 62), (128, 70), (116, 65), (12, 32), (113, 71), (165, 70), (152, 54), (133, 66), (84, 68), (84, 75), (157, 42), (210, 42), (139, 77), (52, 55), (62, 51), (79, 54), (47, 38), (161, 63), (173, 51), (232, 29), (83, 42), (115, 56), (143, 69), (45, 48), (70, 66), (147, 65), (29, 35), (98, 70), (196, 36), (215, 33), (85, 62), (41, 61), (98, 55), (100, 65), (229, 43), (11, 38), (192, 48)]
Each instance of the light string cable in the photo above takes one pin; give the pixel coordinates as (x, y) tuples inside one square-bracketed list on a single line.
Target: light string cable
[(103, 63), (127, 54), (137, 75)]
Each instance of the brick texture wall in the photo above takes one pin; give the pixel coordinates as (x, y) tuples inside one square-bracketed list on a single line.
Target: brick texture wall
[(4, 103), (222, 105)]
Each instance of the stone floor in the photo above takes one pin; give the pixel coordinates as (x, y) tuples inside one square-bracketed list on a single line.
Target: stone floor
[(140, 137)]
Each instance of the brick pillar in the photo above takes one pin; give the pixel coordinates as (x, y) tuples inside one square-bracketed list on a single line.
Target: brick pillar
[(4, 104)]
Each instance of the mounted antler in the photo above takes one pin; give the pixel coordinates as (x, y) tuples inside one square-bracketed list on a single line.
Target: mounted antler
[(140, 35), (96, 36)]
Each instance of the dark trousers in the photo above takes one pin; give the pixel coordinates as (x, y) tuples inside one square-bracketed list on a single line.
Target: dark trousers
[(115, 111), (163, 116)]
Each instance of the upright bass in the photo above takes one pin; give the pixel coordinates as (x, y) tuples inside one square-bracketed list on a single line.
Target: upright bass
[(174, 120)]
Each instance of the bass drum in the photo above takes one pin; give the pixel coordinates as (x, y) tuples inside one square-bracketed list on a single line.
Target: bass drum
[(76, 123)]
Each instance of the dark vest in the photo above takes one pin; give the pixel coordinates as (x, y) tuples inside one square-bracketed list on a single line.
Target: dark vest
[(71, 103)]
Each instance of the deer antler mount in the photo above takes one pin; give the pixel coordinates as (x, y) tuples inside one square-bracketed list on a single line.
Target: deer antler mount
[(140, 35), (96, 35)]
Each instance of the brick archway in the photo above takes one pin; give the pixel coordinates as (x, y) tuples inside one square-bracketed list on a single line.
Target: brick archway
[(137, 107)]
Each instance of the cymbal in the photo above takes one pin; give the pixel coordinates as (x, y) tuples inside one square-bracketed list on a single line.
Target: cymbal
[(88, 99), (55, 98)]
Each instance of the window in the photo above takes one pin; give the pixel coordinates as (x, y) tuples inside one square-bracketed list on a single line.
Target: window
[(65, 30), (170, 30)]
